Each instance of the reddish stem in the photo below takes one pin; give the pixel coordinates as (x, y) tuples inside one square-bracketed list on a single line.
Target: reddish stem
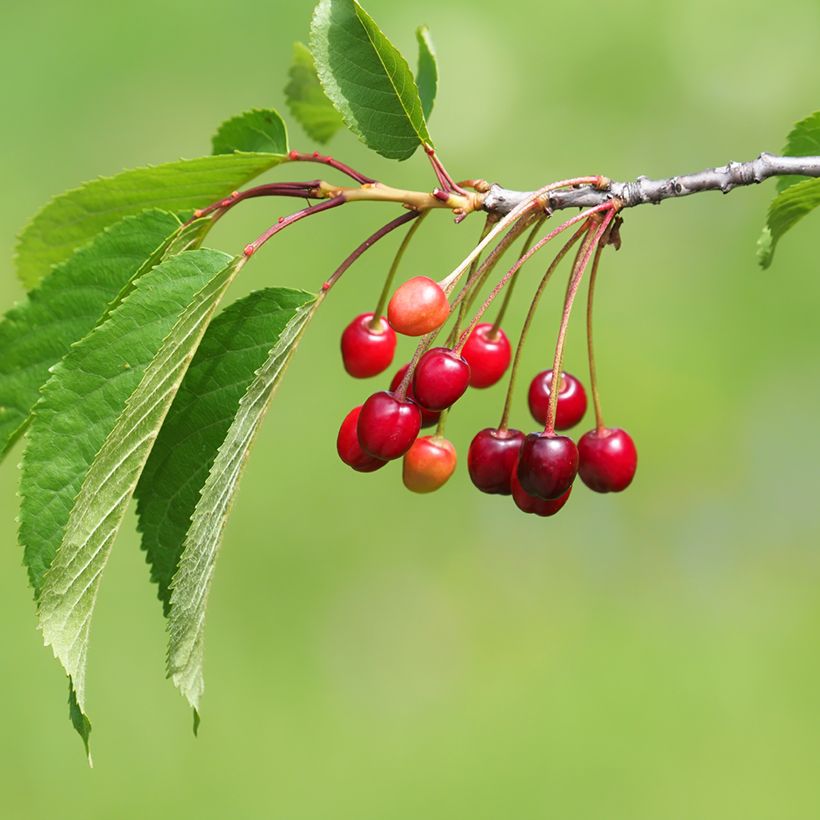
[(593, 371), (505, 415), (371, 240), (297, 156), (577, 274), (521, 260), (284, 221), (300, 190), (444, 179)]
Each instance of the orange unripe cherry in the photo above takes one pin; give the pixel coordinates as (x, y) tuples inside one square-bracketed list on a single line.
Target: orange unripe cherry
[(417, 307), (428, 464)]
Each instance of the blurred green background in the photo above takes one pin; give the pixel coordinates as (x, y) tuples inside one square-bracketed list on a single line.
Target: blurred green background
[(373, 654)]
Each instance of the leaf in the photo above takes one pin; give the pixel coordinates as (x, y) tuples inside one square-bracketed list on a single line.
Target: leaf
[(803, 141), (235, 346), (256, 131), (192, 581), (77, 216), (786, 210), (427, 72), (307, 102), (92, 431), (367, 79), (67, 304)]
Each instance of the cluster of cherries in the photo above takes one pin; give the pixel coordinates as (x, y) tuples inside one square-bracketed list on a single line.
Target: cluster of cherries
[(538, 469)]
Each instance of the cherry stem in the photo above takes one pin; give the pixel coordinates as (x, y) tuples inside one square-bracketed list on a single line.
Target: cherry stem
[(577, 274), (297, 156), (505, 415), (375, 323), (368, 243), (593, 371), (462, 309), (608, 206), (300, 190), (284, 221), (533, 201), (493, 334), (442, 423)]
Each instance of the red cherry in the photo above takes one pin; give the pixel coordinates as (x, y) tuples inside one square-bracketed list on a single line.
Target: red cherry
[(367, 350), (417, 307), (349, 449), (440, 379), (488, 355), (531, 504), (607, 460), (428, 464), (492, 457), (572, 400), (428, 417), (547, 465), (387, 426)]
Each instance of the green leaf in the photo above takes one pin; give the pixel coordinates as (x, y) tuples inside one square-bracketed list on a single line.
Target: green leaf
[(786, 210), (803, 141), (36, 334), (235, 346), (367, 79), (260, 131), (75, 217), (307, 102), (80, 722), (93, 429), (290, 312), (427, 72)]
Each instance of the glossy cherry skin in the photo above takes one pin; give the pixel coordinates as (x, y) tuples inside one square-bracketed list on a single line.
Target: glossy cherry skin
[(367, 351), (607, 460), (572, 400), (428, 464), (349, 449), (537, 506), (418, 307), (388, 426), (492, 457), (429, 418), (487, 354), (441, 378), (547, 465)]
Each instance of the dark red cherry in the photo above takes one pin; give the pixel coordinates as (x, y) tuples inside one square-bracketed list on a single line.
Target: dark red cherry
[(440, 379), (367, 346), (418, 306), (572, 400), (547, 465), (492, 457), (428, 417), (388, 426), (487, 353), (607, 460), (428, 464), (349, 449), (531, 504)]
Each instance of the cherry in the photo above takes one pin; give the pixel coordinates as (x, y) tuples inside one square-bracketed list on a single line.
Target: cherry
[(388, 426), (440, 379), (492, 457), (428, 464), (417, 307), (487, 353), (607, 460), (428, 417), (547, 465), (367, 350), (531, 504), (349, 449), (572, 400)]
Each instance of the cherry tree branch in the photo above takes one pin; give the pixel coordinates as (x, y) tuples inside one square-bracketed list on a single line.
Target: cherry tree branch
[(643, 191)]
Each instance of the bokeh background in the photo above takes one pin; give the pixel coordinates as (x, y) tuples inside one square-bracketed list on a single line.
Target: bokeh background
[(373, 654)]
